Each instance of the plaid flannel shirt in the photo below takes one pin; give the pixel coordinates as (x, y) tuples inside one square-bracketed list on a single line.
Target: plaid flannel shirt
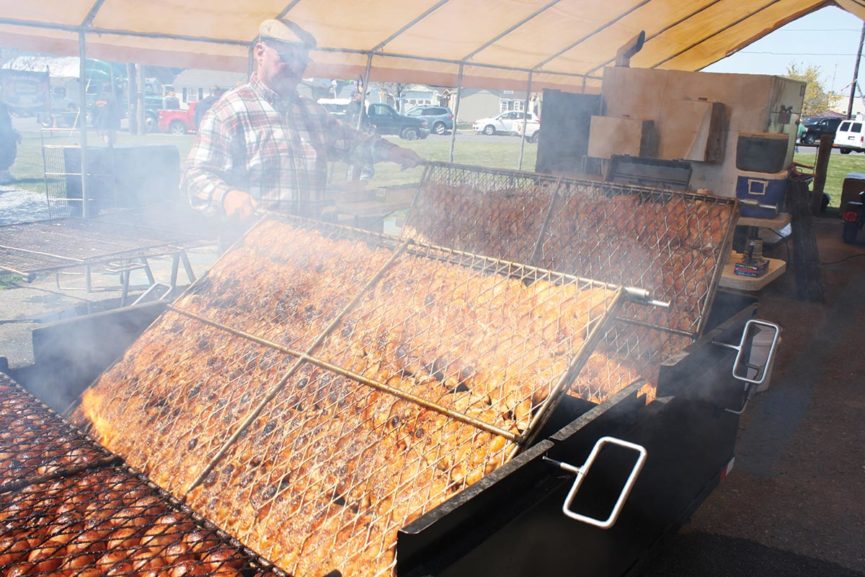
[(274, 148)]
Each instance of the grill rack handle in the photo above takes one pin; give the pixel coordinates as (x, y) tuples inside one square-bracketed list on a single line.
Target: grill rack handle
[(582, 472), (742, 363)]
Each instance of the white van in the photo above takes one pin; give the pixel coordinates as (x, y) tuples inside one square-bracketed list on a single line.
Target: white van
[(850, 136)]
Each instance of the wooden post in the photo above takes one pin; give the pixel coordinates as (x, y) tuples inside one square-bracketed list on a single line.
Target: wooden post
[(806, 257), (821, 168)]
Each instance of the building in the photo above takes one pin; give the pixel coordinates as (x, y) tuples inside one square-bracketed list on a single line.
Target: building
[(482, 103), (416, 95), (194, 84)]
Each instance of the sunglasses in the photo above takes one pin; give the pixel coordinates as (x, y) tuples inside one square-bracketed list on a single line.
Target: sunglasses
[(293, 55)]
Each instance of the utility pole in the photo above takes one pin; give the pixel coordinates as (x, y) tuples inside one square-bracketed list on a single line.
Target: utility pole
[(855, 82)]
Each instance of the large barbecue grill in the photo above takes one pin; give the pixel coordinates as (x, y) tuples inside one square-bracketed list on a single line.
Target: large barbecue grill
[(322, 386), (349, 403)]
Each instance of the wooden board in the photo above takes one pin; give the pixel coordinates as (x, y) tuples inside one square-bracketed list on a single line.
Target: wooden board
[(691, 130), (612, 135), (731, 280)]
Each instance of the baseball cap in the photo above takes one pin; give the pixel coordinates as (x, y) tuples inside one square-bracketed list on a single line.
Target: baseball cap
[(286, 32)]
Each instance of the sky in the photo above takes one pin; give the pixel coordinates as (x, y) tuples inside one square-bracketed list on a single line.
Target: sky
[(828, 38)]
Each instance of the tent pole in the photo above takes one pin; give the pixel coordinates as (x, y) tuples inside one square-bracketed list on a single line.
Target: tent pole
[(366, 74), (457, 110), (526, 105), (82, 118)]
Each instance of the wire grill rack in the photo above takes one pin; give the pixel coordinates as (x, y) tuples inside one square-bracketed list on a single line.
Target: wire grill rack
[(74, 510), (35, 247), (398, 374), (110, 522), (186, 387), (35, 442), (671, 243), (499, 213)]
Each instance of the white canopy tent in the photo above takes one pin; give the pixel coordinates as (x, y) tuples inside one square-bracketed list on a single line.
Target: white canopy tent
[(514, 44), (498, 42)]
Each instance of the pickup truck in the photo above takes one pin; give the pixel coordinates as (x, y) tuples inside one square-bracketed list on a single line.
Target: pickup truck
[(177, 121), (384, 119)]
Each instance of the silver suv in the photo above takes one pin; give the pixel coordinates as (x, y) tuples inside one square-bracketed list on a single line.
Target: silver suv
[(440, 119)]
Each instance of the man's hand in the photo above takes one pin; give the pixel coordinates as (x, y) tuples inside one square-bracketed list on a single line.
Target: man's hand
[(239, 205), (404, 157)]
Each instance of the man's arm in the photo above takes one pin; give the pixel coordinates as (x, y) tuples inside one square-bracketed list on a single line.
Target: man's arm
[(351, 145), (210, 161)]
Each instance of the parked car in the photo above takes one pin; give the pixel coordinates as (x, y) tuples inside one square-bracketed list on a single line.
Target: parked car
[(384, 119), (504, 123), (533, 129), (817, 127), (439, 118), (850, 136), (178, 121), (338, 107)]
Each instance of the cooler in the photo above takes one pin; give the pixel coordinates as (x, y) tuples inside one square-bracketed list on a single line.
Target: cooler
[(765, 188), (854, 183)]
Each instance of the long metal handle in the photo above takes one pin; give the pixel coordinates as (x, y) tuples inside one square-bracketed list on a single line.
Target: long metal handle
[(740, 350), (581, 473), (752, 383), (758, 204)]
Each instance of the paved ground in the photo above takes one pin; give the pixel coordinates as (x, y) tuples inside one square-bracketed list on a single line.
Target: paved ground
[(795, 503)]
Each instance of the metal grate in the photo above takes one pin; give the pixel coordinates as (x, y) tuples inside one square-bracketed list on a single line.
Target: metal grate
[(470, 333), (110, 522), (35, 247), (35, 443), (671, 243), (287, 291), (400, 374), (492, 212), (626, 353), (183, 388), (332, 469)]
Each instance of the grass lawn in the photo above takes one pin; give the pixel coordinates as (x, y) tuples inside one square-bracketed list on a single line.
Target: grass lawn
[(839, 166), (495, 152)]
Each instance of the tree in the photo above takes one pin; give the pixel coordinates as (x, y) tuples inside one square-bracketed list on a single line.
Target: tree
[(817, 98)]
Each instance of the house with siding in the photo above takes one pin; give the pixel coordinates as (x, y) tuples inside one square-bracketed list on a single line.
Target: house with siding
[(481, 103)]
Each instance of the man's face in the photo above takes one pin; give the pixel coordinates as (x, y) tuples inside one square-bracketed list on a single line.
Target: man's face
[(280, 65)]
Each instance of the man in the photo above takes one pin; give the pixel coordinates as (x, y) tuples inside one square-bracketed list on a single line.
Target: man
[(263, 146), (106, 116)]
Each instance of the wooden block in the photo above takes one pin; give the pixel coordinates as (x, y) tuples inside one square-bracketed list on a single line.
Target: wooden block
[(610, 135), (691, 130)]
